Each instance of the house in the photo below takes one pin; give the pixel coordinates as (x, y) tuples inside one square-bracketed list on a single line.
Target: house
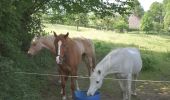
[(134, 22)]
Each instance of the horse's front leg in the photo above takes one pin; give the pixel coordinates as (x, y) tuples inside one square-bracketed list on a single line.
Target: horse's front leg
[(73, 79), (125, 84), (63, 85), (60, 79)]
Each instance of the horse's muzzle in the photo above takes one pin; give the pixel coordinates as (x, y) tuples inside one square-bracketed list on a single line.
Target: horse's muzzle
[(59, 60), (29, 54)]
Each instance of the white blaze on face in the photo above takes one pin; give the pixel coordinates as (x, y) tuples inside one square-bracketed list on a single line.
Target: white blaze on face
[(59, 51), (96, 81), (93, 85)]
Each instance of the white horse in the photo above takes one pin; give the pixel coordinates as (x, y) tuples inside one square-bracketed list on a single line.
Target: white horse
[(125, 63)]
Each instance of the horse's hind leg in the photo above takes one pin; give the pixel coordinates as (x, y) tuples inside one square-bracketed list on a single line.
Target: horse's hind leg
[(125, 84), (134, 84), (91, 63), (85, 59)]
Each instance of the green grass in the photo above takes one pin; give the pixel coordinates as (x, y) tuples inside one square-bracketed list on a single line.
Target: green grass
[(156, 43), (155, 51)]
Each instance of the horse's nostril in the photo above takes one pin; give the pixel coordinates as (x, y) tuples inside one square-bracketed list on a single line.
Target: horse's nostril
[(91, 95), (97, 82)]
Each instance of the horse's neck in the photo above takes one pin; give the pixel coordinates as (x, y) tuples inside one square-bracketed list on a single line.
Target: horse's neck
[(71, 44), (48, 43), (108, 66)]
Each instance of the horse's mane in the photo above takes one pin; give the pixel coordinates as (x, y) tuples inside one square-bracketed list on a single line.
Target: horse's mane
[(40, 38)]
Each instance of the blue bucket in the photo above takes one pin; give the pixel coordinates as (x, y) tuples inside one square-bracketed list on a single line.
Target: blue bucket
[(82, 95)]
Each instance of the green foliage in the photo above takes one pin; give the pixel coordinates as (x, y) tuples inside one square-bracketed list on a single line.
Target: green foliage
[(138, 10), (147, 22), (75, 12), (148, 62), (167, 21), (156, 11), (120, 25), (17, 86), (102, 48), (166, 5), (158, 16), (20, 21), (157, 27)]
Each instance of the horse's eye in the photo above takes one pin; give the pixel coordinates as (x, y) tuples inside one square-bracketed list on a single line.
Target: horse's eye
[(97, 82)]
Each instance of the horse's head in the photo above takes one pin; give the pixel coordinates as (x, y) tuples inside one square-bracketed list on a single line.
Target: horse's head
[(35, 46), (96, 80), (60, 46)]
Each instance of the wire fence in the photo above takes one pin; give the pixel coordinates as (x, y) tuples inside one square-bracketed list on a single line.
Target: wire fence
[(86, 77), (146, 91)]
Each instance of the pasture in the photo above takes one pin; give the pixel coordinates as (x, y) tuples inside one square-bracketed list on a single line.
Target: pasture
[(155, 51)]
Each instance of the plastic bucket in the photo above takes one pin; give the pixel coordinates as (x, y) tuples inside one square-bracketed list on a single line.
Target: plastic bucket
[(82, 95)]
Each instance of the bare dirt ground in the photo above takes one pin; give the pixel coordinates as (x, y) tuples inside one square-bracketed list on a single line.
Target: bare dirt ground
[(110, 89)]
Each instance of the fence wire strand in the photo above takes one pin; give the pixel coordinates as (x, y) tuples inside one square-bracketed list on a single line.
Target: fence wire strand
[(86, 77)]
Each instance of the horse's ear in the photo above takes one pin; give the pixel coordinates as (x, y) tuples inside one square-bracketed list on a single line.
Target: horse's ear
[(99, 72), (55, 34), (65, 36)]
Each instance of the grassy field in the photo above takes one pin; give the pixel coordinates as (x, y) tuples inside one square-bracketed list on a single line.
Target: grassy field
[(155, 51)]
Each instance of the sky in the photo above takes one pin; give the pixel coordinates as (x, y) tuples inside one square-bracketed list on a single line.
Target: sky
[(146, 3)]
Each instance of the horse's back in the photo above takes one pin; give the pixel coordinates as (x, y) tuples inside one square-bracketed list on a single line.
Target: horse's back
[(85, 45), (134, 57), (129, 59)]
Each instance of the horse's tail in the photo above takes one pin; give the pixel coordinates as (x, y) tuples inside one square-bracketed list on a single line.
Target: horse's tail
[(93, 56)]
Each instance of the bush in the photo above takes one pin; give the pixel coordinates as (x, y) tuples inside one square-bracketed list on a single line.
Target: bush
[(146, 22), (121, 26), (148, 62), (167, 21)]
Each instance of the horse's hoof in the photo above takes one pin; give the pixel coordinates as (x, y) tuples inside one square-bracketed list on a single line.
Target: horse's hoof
[(70, 97), (78, 88), (61, 92), (64, 98), (134, 93), (59, 81)]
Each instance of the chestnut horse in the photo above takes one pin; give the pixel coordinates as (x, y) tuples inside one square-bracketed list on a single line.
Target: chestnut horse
[(69, 53)]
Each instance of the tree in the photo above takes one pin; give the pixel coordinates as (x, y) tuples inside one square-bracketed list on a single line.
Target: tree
[(147, 22), (120, 24), (108, 22), (81, 20), (138, 9), (166, 5), (20, 21), (167, 21), (156, 11)]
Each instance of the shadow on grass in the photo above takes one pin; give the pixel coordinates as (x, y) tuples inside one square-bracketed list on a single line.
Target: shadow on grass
[(155, 67), (151, 60)]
